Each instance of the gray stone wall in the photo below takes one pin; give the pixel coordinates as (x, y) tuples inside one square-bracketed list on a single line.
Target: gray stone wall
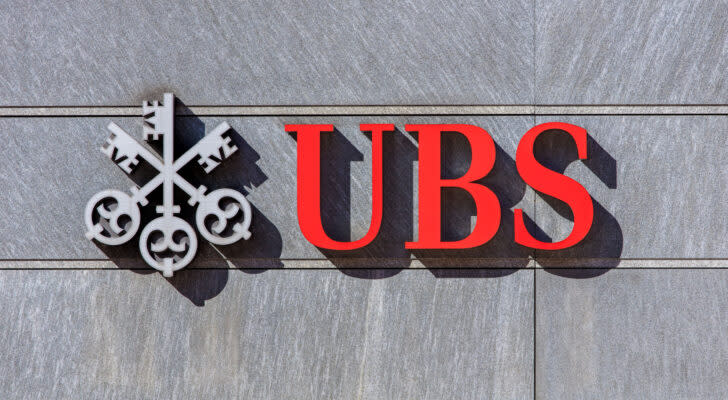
[(638, 310)]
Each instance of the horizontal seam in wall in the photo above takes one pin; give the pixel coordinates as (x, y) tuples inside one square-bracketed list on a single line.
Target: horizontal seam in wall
[(379, 269), (388, 110), (470, 259)]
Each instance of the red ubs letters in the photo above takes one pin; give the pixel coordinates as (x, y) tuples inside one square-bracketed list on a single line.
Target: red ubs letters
[(430, 183)]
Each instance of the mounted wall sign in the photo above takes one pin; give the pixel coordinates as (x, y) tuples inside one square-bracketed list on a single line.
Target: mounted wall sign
[(431, 183), (168, 243)]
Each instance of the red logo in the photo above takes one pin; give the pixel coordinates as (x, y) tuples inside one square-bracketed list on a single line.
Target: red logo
[(431, 183)]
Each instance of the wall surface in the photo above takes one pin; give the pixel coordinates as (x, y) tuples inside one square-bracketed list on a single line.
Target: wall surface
[(637, 310)]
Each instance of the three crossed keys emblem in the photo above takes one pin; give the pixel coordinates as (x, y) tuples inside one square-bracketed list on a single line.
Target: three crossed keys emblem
[(167, 243)]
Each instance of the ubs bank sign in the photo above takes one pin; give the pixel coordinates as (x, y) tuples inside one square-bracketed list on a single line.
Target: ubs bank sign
[(169, 243)]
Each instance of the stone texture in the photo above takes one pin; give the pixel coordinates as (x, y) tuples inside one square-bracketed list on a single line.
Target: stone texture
[(632, 334), (657, 182), (78, 326), (232, 52), (278, 334), (616, 52), (53, 166)]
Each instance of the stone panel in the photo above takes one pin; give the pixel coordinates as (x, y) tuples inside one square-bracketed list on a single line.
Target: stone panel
[(657, 185), (53, 167), (632, 334), (232, 52), (278, 334), (616, 52)]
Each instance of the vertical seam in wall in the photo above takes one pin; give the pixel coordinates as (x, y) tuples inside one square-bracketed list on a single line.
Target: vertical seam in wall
[(534, 332), (533, 258)]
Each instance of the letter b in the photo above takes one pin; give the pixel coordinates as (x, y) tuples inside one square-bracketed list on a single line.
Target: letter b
[(431, 184)]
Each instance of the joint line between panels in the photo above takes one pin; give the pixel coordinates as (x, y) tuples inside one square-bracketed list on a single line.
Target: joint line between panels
[(547, 269), (376, 110)]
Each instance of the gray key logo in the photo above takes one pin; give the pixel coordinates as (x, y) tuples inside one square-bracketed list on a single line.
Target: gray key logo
[(167, 243)]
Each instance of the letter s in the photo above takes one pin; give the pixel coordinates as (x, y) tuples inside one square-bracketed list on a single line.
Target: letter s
[(553, 184)]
